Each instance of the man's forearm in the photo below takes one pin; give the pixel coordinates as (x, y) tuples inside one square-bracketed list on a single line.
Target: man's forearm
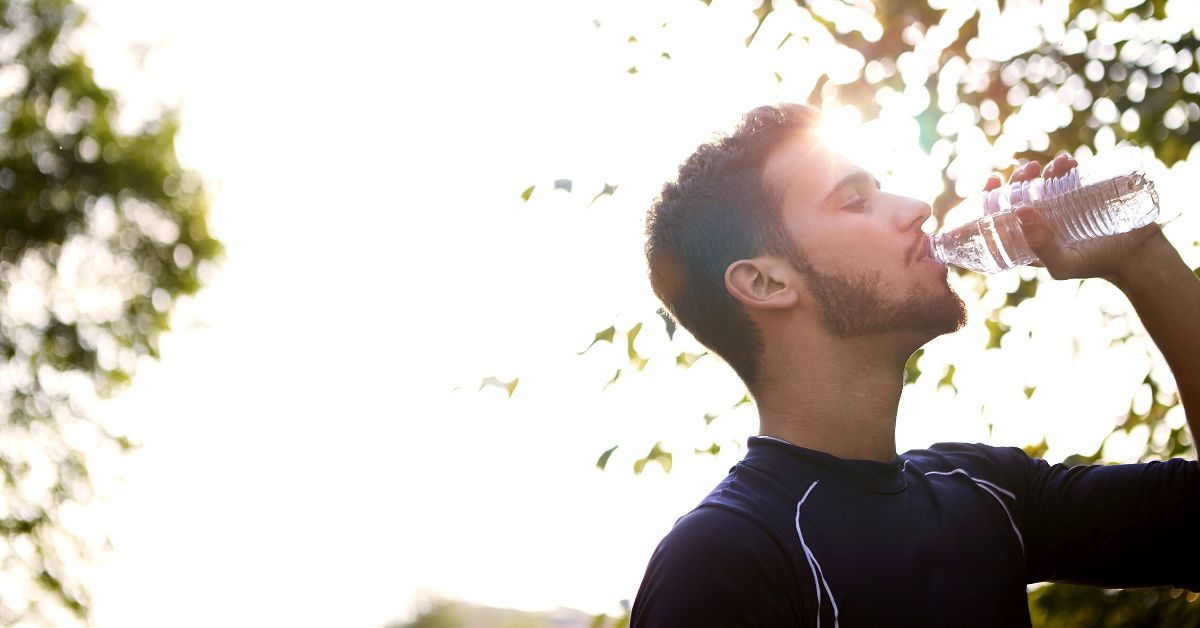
[(1166, 295)]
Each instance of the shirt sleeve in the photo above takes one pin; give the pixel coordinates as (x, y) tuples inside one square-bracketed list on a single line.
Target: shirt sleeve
[(1116, 526), (717, 568)]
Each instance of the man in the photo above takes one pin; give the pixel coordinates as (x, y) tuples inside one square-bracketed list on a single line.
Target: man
[(815, 286)]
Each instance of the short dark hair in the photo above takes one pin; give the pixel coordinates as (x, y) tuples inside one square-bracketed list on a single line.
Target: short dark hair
[(717, 211)]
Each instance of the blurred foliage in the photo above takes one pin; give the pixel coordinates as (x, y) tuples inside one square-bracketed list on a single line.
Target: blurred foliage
[(456, 614), (1093, 74), (1070, 606), (604, 335), (101, 230), (657, 454), (620, 621), (603, 461), (441, 614), (494, 382)]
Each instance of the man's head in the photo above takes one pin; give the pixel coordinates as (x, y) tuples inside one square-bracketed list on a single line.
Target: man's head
[(767, 220)]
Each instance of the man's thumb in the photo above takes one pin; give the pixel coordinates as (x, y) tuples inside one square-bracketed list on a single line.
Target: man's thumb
[(1039, 235)]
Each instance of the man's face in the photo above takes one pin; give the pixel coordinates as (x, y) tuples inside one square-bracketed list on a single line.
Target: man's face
[(860, 250)]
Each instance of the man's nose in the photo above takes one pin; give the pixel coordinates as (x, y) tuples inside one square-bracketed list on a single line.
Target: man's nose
[(912, 213)]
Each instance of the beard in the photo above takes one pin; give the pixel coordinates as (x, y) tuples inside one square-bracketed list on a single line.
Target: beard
[(856, 306)]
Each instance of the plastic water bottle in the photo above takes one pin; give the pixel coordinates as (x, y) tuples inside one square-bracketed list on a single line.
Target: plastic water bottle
[(1105, 195)]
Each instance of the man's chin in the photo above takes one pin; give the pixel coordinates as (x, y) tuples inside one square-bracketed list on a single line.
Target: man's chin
[(942, 312)]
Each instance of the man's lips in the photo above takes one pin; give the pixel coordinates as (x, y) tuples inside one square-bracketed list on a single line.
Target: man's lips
[(920, 249)]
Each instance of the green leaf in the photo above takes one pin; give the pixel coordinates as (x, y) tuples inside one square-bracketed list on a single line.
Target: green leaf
[(686, 360), (764, 8), (1038, 450), (509, 386), (712, 449), (709, 417), (636, 359), (604, 335), (996, 331), (670, 323), (527, 193), (612, 381), (603, 461), (1029, 391), (632, 70), (607, 191), (948, 379), (911, 372), (656, 454), (744, 401)]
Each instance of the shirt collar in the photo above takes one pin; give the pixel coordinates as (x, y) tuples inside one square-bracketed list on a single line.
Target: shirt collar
[(779, 455)]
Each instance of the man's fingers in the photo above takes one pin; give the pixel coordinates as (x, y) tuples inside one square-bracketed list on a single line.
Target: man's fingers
[(1040, 236), (1026, 172), (1059, 166)]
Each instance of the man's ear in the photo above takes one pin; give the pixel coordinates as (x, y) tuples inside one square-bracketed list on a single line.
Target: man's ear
[(763, 283)]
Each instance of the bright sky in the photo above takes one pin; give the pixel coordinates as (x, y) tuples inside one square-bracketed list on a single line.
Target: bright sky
[(314, 450)]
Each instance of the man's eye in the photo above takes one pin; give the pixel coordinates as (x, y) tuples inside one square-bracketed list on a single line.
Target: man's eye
[(857, 203)]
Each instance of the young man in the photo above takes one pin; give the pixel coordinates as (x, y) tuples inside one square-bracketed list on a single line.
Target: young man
[(789, 262)]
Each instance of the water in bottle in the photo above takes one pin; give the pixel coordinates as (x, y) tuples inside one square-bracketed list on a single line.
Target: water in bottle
[(1103, 196)]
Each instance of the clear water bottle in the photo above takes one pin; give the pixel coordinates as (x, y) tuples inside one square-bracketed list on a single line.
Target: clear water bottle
[(1105, 195)]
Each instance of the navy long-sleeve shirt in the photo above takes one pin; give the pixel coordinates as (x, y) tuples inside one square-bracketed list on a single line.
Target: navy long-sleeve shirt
[(945, 536)]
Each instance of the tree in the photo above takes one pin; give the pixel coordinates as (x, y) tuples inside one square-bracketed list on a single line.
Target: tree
[(101, 231), (1008, 78)]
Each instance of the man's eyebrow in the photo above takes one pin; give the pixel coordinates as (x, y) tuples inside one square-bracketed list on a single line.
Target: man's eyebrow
[(856, 178)]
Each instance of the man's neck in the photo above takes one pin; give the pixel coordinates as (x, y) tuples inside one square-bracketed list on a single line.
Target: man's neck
[(842, 401)]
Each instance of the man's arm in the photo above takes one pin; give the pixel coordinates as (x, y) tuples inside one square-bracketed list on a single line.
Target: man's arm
[(1113, 526), (1143, 265), (1166, 295)]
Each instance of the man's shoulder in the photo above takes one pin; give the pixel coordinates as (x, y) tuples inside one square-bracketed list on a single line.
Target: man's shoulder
[(719, 528), (718, 567), (713, 539), (948, 456)]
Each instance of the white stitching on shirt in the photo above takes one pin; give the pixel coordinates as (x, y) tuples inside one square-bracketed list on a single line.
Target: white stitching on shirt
[(984, 484), (1011, 496), (814, 565), (778, 440)]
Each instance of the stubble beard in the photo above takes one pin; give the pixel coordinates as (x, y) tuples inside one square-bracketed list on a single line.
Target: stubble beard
[(856, 306)]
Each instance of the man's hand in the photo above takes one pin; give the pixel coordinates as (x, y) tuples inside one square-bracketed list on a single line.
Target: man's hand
[(1164, 291), (1114, 258)]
